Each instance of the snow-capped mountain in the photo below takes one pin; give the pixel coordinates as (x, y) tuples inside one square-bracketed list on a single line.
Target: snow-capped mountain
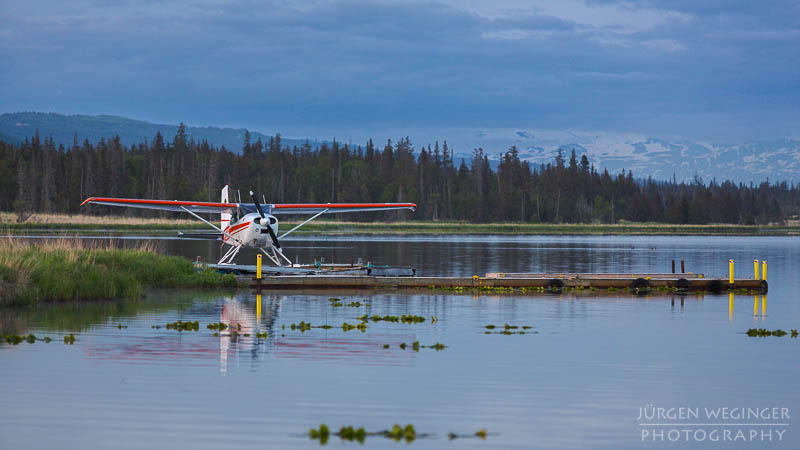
[(776, 160)]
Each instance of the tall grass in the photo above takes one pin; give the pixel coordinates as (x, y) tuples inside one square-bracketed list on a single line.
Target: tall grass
[(76, 269), (83, 219)]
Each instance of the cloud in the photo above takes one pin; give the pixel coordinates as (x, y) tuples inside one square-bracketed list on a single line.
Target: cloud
[(283, 64)]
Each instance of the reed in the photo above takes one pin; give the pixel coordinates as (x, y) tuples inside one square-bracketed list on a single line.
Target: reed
[(67, 269)]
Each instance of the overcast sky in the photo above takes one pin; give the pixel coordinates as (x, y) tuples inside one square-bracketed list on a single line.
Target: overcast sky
[(719, 69)]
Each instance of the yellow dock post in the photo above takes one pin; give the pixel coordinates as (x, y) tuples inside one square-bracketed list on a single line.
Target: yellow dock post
[(755, 268), (258, 267), (755, 306), (764, 270), (730, 305), (730, 271)]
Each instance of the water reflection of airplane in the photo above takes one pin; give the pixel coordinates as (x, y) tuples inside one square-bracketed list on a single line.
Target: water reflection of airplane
[(245, 321)]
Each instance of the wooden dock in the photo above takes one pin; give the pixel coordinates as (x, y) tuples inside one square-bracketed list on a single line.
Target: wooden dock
[(636, 282)]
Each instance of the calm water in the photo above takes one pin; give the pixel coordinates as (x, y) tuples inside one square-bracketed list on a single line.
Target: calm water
[(579, 383)]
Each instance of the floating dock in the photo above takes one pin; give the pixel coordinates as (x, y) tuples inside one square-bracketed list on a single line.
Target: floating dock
[(636, 282)]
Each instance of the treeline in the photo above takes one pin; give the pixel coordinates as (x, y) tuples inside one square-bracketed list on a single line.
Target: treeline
[(40, 176)]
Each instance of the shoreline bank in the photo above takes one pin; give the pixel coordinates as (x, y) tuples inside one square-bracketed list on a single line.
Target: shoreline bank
[(66, 270)]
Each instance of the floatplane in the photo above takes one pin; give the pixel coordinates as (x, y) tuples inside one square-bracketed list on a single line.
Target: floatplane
[(247, 224)]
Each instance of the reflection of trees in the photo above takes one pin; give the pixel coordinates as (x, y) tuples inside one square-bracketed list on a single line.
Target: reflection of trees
[(80, 316)]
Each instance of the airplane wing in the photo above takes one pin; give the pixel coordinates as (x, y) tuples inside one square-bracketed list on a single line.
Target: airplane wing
[(330, 208), (164, 205)]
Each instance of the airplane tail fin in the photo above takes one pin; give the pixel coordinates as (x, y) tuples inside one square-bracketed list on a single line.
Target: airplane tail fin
[(225, 218)]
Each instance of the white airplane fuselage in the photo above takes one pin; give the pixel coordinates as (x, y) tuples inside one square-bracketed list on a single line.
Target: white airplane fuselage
[(251, 231)]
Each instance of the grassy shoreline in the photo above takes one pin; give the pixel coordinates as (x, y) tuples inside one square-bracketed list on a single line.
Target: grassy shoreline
[(60, 223), (66, 270)]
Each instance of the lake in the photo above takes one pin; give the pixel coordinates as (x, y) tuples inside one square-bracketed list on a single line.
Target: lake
[(593, 371)]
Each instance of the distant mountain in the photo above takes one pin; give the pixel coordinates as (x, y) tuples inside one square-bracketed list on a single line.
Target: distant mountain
[(756, 161), (776, 160), (15, 127)]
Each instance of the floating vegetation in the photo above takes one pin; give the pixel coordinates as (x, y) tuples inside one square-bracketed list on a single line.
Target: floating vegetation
[(335, 302), (406, 318), (322, 434), (479, 434), (184, 326), (305, 326), (121, 326), (763, 332), (354, 304), (416, 346), (302, 326), (385, 345), (361, 327), (69, 339), (217, 326), (350, 433), (509, 329), (261, 335), (14, 339), (397, 433)]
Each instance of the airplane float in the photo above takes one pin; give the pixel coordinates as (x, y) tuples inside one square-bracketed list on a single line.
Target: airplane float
[(247, 224)]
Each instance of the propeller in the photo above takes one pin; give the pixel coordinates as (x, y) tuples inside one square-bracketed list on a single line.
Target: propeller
[(271, 232)]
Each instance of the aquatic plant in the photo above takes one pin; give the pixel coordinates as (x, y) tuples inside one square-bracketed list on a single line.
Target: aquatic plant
[(322, 434), (763, 332), (406, 318), (217, 326), (13, 339), (361, 327), (349, 433), (184, 326), (302, 326), (482, 433), (69, 339), (397, 433), (416, 346)]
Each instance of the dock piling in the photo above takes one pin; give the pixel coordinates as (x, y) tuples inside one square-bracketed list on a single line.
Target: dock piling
[(730, 271), (755, 268), (683, 270), (764, 270)]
